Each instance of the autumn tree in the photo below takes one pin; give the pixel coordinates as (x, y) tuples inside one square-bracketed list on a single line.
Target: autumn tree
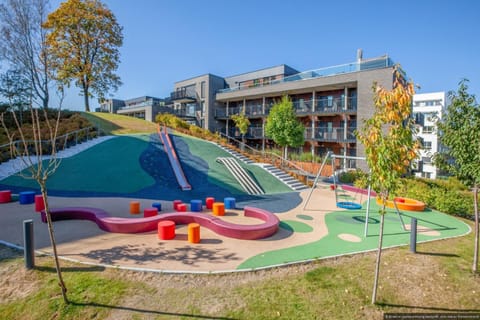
[(283, 127), (389, 146), (22, 44), (242, 123), (83, 43), (460, 134)]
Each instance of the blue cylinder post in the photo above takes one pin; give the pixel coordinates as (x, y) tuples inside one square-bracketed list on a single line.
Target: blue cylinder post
[(157, 205), (413, 236), (229, 203), (28, 245), (196, 205)]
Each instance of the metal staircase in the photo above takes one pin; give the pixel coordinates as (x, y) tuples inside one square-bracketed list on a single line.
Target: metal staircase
[(281, 175)]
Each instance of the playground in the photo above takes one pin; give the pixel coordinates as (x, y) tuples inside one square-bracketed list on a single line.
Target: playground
[(102, 181)]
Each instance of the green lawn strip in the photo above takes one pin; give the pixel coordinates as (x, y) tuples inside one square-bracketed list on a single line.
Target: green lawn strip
[(119, 124), (218, 173), (102, 168), (352, 222)]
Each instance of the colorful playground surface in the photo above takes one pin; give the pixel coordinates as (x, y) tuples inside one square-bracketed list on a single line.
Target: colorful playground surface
[(102, 181)]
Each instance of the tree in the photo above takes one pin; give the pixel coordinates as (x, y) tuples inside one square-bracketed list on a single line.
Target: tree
[(84, 43), (31, 151), (460, 134), (242, 123), (283, 127), (17, 90), (22, 44), (389, 146)]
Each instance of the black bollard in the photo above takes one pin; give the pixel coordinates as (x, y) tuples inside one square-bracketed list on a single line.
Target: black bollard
[(28, 246), (413, 236)]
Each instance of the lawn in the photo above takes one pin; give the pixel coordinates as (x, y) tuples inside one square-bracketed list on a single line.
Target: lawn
[(436, 279)]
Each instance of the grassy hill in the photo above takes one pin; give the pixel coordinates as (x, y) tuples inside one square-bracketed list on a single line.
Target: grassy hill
[(119, 124)]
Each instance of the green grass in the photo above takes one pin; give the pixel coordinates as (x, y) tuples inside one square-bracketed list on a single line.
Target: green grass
[(90, 292), (437, 279), (119, 124)]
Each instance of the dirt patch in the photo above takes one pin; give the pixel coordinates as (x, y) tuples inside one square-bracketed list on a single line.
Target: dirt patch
[(16, 282)]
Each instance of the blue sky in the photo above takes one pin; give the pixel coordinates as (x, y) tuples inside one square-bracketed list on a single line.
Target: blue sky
[(436, 42)]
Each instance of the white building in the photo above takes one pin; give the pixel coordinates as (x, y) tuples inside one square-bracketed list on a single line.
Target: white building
[(427, 109)]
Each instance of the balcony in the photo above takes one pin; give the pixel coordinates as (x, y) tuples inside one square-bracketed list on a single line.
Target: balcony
[(183, 96), (323, 106), (254, 132), (335, 134)]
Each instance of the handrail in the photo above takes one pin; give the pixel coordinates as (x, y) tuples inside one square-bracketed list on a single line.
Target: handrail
[(262, 153), (65, 137), (240, 174)]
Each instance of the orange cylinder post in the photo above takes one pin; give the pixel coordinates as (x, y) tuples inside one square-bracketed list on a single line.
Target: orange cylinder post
[(193, 232), (166, 230), (209, 202), (218, 209), (150, 212), (134, 207), (39, 203)]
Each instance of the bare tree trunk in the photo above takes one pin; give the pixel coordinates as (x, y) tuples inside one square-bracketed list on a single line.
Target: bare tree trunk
[(379, 252), (85, 97), (61, 283), (475, 250)]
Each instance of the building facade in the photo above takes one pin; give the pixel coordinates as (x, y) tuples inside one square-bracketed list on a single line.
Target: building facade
[(331, 102), (145, 107), (427, 109)]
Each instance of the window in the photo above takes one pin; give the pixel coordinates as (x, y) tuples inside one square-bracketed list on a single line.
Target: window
[(427, 145), (256, 82), (428, 129), (427, 160), (202, 89), (427, 175)]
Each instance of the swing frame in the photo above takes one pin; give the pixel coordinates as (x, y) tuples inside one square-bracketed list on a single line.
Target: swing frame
[(331, 155)]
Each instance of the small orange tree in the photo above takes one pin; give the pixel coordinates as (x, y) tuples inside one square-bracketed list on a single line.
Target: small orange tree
[(389, 145)]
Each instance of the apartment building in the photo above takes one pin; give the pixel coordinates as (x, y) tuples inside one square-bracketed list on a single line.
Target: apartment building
[(145, 107), (427, 109), (331, 102)]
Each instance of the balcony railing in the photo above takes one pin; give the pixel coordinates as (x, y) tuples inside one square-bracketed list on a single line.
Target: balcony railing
[(335, 134), (183, 95), (370, 64), (322, 106)]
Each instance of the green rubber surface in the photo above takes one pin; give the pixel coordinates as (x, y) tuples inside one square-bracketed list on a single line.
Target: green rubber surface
[(112, 166), (219, 175), (295, 226), (351, 222)]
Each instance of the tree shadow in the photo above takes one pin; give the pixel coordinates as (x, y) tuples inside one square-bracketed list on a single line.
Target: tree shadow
[(155, 312), (439, 254), (392, 305), (71, 269), (141, 254)]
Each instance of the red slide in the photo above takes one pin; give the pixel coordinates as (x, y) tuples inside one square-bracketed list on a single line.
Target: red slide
[(174, 162)]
